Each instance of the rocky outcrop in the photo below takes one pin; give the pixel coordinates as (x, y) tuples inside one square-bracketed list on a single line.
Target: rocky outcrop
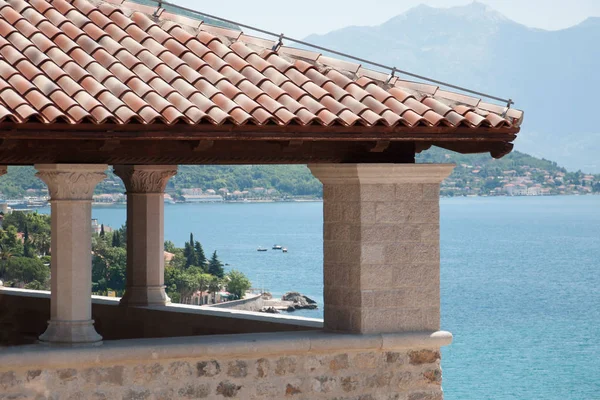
[(290, 302), (299, 301)]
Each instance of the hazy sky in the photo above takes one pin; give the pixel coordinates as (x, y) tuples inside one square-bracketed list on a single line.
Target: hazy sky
[(302, 17)]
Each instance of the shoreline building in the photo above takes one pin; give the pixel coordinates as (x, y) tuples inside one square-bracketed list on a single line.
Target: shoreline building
[(145, 88)]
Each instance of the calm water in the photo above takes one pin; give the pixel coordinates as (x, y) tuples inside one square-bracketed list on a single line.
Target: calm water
[(520, 283)]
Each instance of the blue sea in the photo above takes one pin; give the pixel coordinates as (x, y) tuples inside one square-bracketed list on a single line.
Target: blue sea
[(520, 283)]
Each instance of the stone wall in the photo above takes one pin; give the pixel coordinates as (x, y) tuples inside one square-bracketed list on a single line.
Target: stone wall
[(312, 365), (24, 315), (252, 303)]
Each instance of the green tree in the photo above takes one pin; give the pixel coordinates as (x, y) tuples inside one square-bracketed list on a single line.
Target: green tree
[(237, 284), (25, 270), (215, 266), (116, 239), (199, 255), (170, 246), (190, 253), (109, 266), (214, 286), (102, 233)]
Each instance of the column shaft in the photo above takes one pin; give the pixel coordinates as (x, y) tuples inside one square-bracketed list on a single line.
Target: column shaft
[(145, 232), (381, 246), (71, 187)]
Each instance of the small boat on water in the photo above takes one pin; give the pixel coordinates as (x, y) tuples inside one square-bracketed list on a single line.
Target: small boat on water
[(284, 249), (260, 248), (277, 247)]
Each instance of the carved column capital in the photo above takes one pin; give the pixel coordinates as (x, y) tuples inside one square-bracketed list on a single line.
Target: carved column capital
[(71, 181), (145, 178)]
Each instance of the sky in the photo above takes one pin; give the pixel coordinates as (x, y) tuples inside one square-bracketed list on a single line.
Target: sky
[(300, 18)]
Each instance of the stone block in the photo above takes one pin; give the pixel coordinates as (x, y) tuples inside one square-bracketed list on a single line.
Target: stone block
[(286, 366), (268, 390), (324, 384), (424, 212), (33, 374), (137, 394), (376, 277), (105, 375), (366, 360), (314, 364), (147, 373), (437, 395), (391, 212), (394, 359), (417, 252), (409, 192), (431, 191), (379, 380), (228, 389), (339, 362), (379, 233), (420, 357), (208, 368), (380, 321), (67, 374), (292, 390), (433, 376), (180, 370), (263, 368), (372, 254), (194, 391), (237, 369), (377, 192), (349, 383), (414, 274)]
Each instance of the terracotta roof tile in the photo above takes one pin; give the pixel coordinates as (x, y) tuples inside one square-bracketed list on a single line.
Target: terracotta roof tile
[(72, 61)]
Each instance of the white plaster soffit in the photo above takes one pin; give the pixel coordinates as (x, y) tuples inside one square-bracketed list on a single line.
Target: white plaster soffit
[(381, 173)]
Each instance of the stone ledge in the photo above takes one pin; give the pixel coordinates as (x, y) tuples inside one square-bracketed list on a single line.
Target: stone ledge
[(333, 174), (227, 346)]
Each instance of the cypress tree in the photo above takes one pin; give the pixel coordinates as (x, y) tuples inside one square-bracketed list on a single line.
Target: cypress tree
[(102, 233), (116, 239), (189, 252), (200, 257), (215, 267)]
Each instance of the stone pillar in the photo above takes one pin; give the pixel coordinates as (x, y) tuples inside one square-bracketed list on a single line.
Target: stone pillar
[(71, 187), (381, 246), (145, 186)]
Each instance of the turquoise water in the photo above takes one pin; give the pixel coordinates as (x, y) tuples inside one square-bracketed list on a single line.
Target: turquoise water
[(520, 283)]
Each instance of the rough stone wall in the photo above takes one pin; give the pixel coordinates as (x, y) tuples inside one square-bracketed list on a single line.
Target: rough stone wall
[(359, 375)]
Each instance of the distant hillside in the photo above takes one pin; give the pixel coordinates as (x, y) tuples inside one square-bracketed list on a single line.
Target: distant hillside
[(551, 75), (296, 180)]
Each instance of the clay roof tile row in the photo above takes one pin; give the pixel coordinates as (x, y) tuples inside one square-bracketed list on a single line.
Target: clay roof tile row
[(75, 62)]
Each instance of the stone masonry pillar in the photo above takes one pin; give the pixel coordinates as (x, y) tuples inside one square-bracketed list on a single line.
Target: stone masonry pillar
[(145, 186), (71, 187), (381, 246)]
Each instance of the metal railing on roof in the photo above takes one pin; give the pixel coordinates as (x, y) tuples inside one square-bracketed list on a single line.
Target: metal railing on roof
[(281, 37)]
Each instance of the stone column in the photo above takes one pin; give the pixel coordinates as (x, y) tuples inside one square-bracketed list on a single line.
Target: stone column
[(145, 186), (381, 246), (71, 187)]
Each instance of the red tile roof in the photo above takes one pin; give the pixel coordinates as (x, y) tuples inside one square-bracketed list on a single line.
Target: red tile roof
[(76, 62)]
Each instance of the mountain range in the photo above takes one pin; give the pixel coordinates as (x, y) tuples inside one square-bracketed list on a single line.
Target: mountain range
[(551, 75)]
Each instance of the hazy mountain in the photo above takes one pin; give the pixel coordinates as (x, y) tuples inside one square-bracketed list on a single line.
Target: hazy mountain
[(552, 75)]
